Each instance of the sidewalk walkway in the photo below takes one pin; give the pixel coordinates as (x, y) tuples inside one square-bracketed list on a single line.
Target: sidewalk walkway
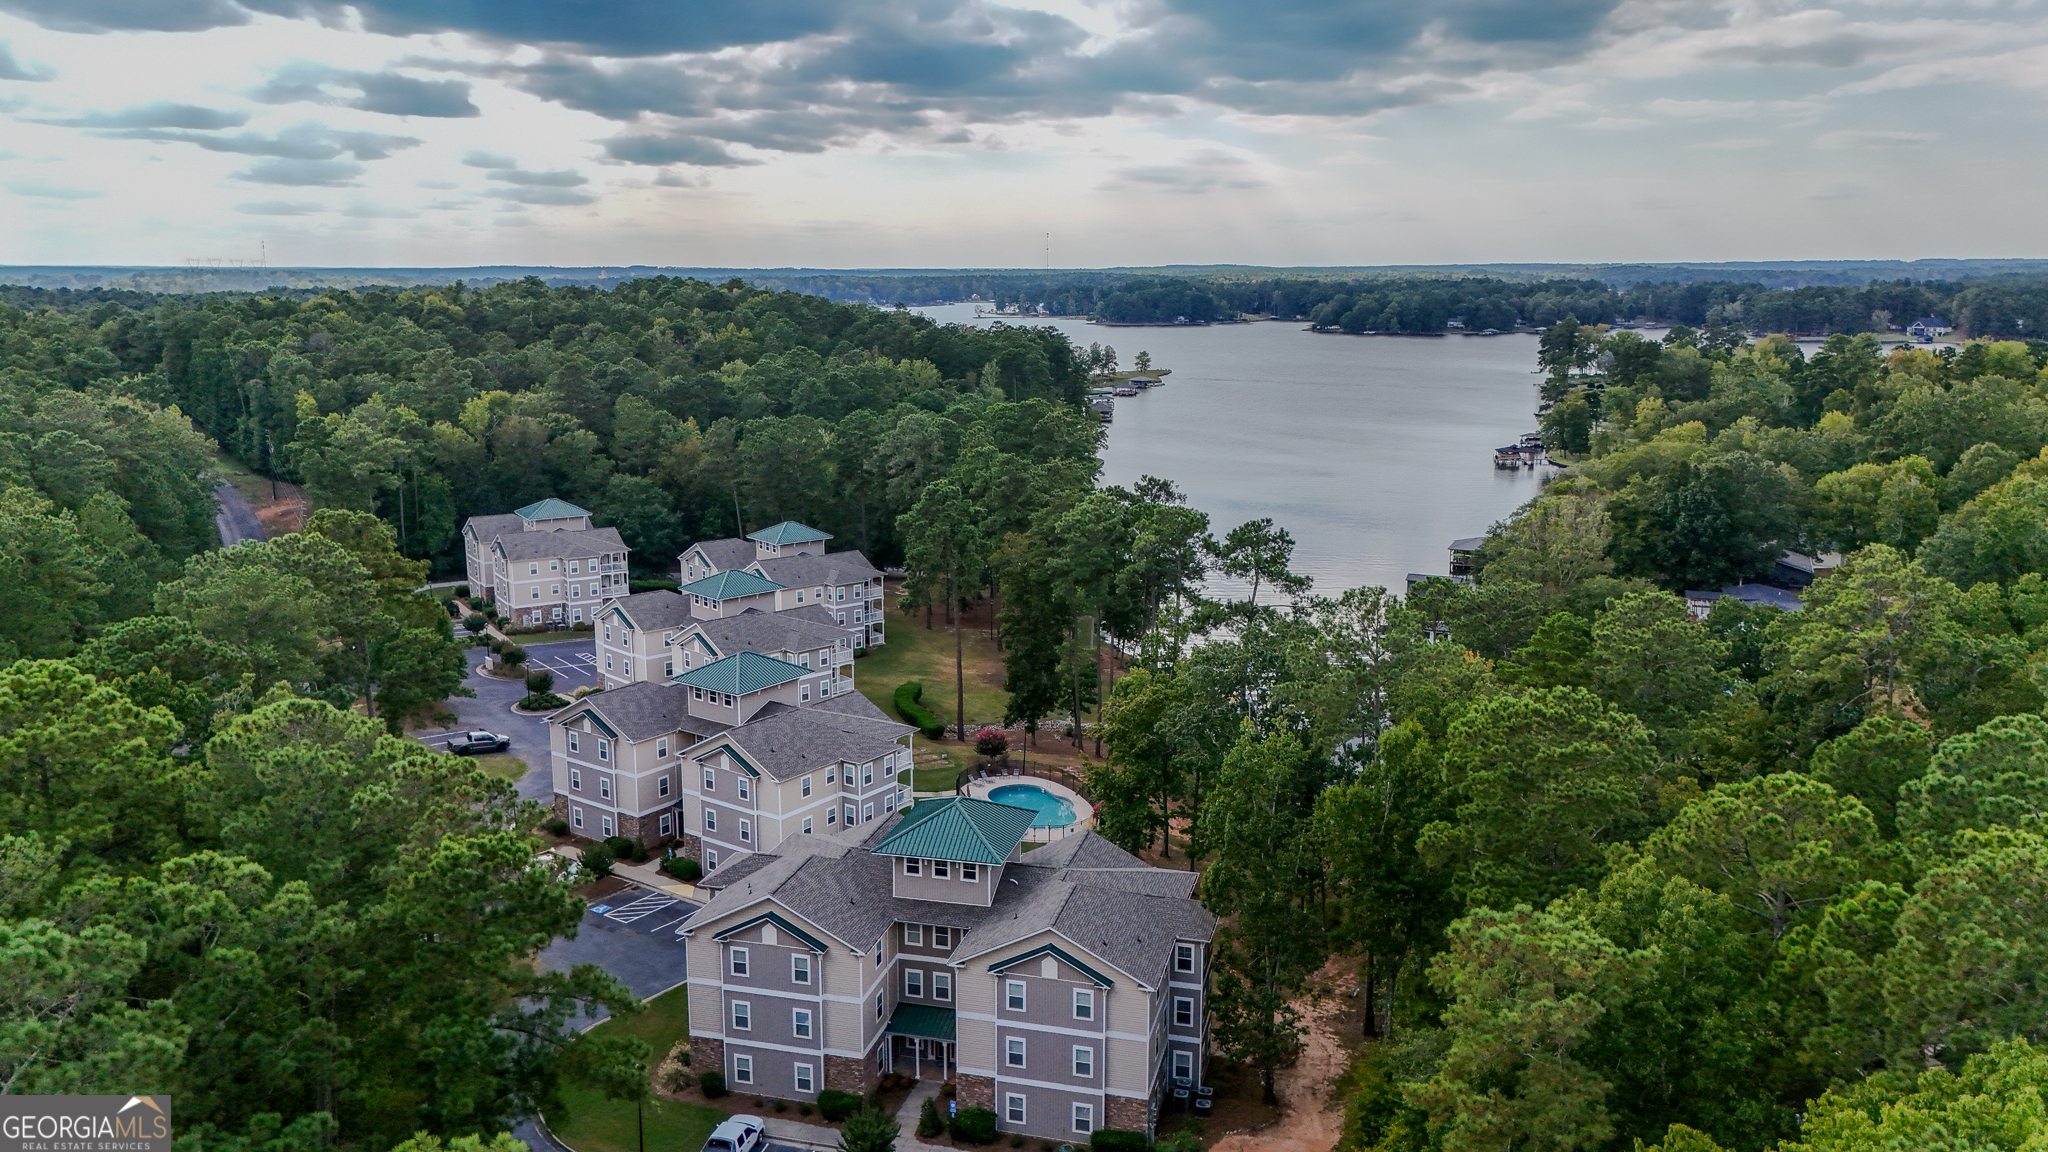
[(646, 875), (781, 1131)]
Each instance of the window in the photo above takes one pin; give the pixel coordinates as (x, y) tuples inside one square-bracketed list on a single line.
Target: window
[(710, 859), (1084, 1061), (554, 590), (1183, 1012), (668, 824), (577, 615), (830, 775), (942, 937), (867, 812), (878, 997), (804, 1078), (912, 866), (1013, 1051), (535, 594), (747, 830), (698, 694), (572, 740), (604, 787), (1084, 1004), (967, 871), (607, 633), (728, 699), (942, 986), (576, 815), (575, 591), (739, 961), (1183, 1065), (661, 748), (913, 982), (742, 1016), (800, 1025), (608, 661), (711, 819), (1184, 958), (661, 788), (867, 773), (1013, 995), (803, 786), (824, 657), (799, 595), (831, 816), (746, 789), (554, 565), (609, 831), (1013, 1107), (889, 803), (576, 779), (800, 971), (743, 1069), (805, 694), (604, 748), (533, 569), (913, 934), (807, 825), (710, 780), (849, 814), (576, 566), (1084, 1117), (668, 667)]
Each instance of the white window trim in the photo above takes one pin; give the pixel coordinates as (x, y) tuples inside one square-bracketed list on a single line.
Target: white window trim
[(800, 1023), (1014, 989), (1084, 998), (1178, 1003), (742, 1069), (1015, 1052), (742, 1010), (737, 963), (1013, 1107), (800, 969), (1084, 1117), (1084, 1061)]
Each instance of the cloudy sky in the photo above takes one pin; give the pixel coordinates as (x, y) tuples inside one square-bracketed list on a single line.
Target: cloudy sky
[(957, 133)]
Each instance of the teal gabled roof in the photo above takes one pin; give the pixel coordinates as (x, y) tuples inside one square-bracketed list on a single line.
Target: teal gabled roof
[(922, 1020), (788, 532), (728, 584), (741, 673), (958, 828), (549, 509)]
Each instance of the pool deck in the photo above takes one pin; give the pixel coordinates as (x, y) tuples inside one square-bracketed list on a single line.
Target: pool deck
[(1084, 812)]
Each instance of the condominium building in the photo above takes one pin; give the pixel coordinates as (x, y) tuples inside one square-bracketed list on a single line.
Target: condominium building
[(1065, 989), (544, 563), (783, 567), (656, 635)]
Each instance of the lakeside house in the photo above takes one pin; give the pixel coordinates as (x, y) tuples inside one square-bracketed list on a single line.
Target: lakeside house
[(1927, 328), (1064, 989), (544, 563)]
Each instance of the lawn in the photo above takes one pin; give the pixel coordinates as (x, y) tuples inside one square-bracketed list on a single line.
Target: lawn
[(917, 653), (502, 766), (592, 1123), (938, 778)]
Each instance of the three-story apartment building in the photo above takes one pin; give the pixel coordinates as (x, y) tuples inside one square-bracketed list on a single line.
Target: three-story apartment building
[(795, 571), (544, 563), (1065, 989), (656, 635)]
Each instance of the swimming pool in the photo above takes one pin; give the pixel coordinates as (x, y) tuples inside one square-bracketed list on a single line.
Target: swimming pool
[(1053, 812)]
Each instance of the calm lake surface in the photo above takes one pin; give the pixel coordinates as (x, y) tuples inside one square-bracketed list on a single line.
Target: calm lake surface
[(1374, 452)]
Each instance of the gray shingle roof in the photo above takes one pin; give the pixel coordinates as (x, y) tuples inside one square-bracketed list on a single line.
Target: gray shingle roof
[(645, 710), (561, 542), (652, 611), (1090, 851), (489, 528), (859, 707), (758, 631), (731, 552), (807, 571), (792, 742)]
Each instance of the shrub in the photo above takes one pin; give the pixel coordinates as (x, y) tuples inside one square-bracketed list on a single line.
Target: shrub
[(915, 714), (683, 868), (975, 1126), (540, 680), (712, 1084), (495, 644), (873, 1130), (835, 1105), (1116, 1140), (541, 701), (928, 1122), (597, 860), (803, 1109), (782, 1105), (462, 592), (513, 654), (476, 622), (991, 742), (622, 848), (557, 826)]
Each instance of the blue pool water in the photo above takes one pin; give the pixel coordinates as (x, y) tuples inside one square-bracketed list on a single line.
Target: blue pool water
[(1053, 812)]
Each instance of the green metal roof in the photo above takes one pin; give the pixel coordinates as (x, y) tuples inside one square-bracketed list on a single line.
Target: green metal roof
[(741, 673), (1052, 950), (958, 828), (549, 509), (788, 532), (730, 583), (922, 1020)]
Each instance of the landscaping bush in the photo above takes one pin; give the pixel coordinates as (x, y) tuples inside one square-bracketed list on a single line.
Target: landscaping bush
[(915, 714), (872, 1131), (712, 1084), (476, 622), (461, 592), (623, 848), (991, 742), (540, 681), (513, 654), (835, 1105), (975, 1126), (541, 701), (1117, 1140), (597, 860), (683, 868), (557, 826), (495, 644), (929, 1124)]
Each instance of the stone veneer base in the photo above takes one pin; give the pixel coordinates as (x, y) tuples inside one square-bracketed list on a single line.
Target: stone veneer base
[(975, 1091)]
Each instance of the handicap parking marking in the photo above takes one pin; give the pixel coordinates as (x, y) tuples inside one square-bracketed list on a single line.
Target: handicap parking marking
[(646, 905), (600, 909)]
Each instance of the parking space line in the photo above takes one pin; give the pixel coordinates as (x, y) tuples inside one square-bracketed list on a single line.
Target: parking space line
[(646, 905)]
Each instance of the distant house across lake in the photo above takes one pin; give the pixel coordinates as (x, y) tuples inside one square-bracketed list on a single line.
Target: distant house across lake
[(1928, 328)]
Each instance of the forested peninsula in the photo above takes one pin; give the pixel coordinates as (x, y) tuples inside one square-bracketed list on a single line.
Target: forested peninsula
[(1607, 872)]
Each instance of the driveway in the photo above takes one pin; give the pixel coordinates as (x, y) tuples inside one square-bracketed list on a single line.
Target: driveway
[(236, 520), (574, 667)]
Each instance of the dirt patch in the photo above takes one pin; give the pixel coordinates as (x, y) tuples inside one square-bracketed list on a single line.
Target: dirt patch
[(1310, 1120)]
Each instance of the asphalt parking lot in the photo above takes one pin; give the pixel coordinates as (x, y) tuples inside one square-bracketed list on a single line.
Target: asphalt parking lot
[(574, 663), (632, 935)]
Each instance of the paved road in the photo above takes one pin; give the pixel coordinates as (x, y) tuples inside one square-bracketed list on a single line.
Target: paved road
[(237, 521), (574, 667)]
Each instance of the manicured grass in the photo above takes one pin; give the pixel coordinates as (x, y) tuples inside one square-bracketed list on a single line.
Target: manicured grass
[(938, 778), (595, 1124), (917, 653), (502, 766)]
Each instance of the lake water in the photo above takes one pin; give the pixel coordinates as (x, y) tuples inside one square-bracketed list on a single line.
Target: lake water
[(1373, 452)]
